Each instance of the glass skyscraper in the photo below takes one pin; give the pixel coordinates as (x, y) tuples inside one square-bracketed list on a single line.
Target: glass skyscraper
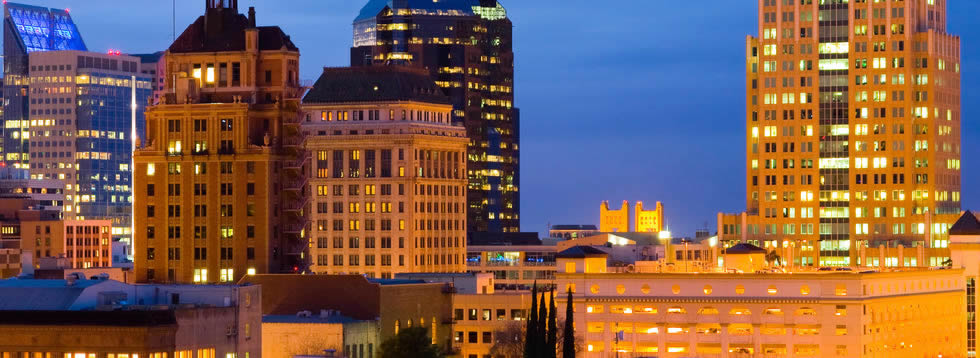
[(72, 115), (466, 46), (28, 29)]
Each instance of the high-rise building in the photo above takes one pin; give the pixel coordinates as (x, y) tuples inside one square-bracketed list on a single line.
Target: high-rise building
[(466, 46), (86, 111), (389, 175), (853, 133), (154, 66), (222, 173), (28, 29)]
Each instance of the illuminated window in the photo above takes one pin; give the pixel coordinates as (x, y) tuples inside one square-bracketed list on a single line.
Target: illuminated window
[(708, 311), (151, 169), (772, 290), (620, 289), (200, 275), (739, 290), (740, 312), (594, 288), (210, 73), (227, 275), (707, 289)]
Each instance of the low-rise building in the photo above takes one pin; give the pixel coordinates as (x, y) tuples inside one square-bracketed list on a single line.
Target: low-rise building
[(461, 283), (479, 319), (304, 333), (44, 233), (83, 318), (887, 313), (572, 232), (379, 308)]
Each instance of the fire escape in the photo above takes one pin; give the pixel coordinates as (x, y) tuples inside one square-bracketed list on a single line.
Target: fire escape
[(295, 196)]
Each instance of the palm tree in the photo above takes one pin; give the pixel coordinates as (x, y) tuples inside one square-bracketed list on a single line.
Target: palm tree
[(772, 256)]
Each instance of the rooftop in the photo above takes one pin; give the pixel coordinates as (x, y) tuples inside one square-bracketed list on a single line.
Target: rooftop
[(44, 29), (480, 238), (223, 29), (574, 227), (30, 294), (580, 252), (968, 224), (312, 319), (353, 295), (745, 248), (375, 84), (149, 57), (140, 318), (430, 7)]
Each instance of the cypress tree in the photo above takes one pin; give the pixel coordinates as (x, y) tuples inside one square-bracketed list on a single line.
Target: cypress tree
[(530, 350), (568, 336), (552, 342), (542, 341)]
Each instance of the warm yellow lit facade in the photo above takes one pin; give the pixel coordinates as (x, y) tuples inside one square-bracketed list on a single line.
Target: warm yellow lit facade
[(221, 176), (83, 243), (478, 319), (388, 178), (853, 133), (642, 220), (649, 220), (913, 313), (614, 220)]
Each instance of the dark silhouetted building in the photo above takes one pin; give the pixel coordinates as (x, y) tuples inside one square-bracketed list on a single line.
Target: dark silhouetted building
[(466, 46)]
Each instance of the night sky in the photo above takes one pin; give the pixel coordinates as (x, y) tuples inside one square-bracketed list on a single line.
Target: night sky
[(639, 99)]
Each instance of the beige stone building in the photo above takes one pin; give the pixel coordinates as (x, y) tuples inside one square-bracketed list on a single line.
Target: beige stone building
[(894, 313), (388, 174), (222, 173)]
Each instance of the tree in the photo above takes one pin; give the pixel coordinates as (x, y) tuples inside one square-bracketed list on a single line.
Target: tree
[(568, 332), (540, 340), (509, 341), (530, 350), (772, 256), (412, 342), (552, 340)]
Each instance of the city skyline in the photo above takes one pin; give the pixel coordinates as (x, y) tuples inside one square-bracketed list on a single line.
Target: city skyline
[(553, 101)]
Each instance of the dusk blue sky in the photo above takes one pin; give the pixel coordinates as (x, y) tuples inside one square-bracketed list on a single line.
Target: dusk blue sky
[(637, 99)]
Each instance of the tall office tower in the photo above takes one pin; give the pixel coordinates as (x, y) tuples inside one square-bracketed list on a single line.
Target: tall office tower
[(86, 111), (389, 173), (466, 46), (222, 174), (153, 65), (853, 133), (28, 29)]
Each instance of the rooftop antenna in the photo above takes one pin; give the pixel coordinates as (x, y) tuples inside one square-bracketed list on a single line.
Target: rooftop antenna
[(173, 24)]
